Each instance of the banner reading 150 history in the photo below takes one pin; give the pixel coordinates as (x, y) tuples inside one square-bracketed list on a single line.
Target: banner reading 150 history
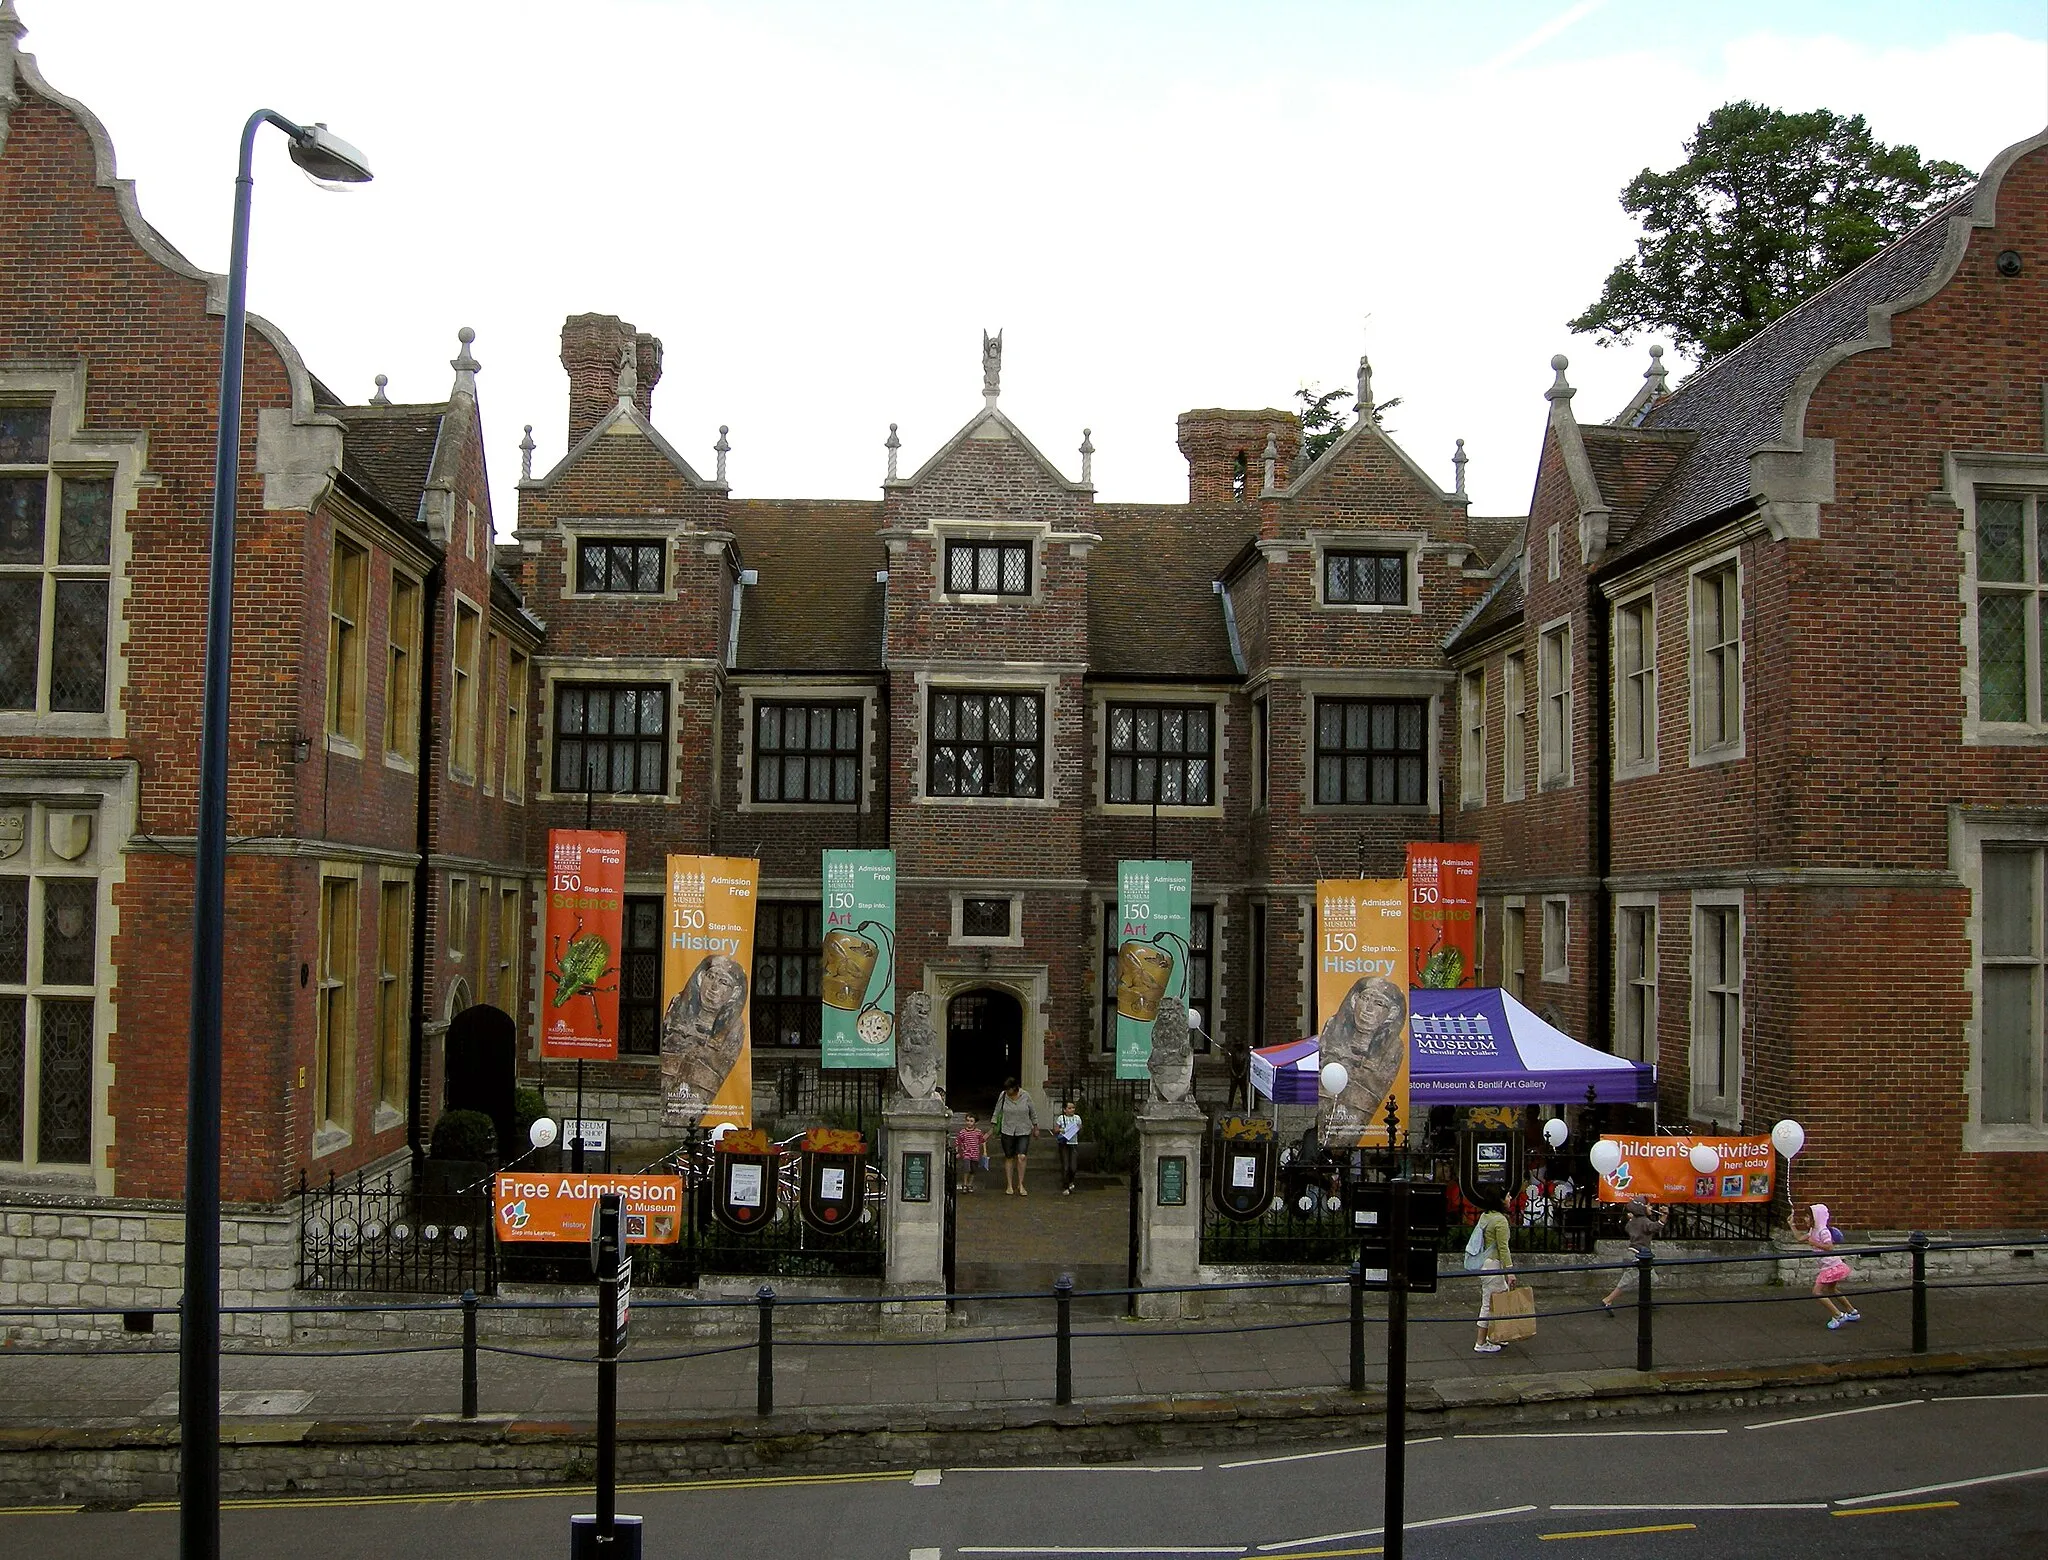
[(858, 984), (707, 942), (1154, 920), (1362, 995), (586, 904)]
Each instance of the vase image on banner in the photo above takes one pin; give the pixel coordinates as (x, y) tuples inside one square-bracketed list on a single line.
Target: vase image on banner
[(707, 1075), (1443, 915), (1154, 920), (585, 910), (857, 984), (1362, 993)]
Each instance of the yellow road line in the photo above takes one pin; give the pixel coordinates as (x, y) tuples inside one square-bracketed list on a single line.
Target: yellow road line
[(449, 1497), (1886, 1511), (40, 1511), (1331, 1554), (1662, 1527)]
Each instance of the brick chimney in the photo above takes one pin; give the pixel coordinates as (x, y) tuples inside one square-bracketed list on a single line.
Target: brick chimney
[(1226, 452), (593, 346)]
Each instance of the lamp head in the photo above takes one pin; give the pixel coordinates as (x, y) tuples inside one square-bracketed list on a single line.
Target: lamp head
[(327, 159)]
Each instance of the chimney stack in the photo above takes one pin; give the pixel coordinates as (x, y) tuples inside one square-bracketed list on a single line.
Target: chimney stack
[(594, 346), (1226, 452)]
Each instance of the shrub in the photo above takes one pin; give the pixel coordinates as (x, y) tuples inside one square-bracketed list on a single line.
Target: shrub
[(464, 1134), (1115, 1131), (528, 1106)]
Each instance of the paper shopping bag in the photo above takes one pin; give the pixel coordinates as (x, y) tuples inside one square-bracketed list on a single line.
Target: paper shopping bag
[(1514, 1315)]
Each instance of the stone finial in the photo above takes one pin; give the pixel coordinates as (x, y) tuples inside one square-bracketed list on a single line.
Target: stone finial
[(1363, 405), (11, 29), (722, 449), (1272, 460), (917, 1047), (629, 375), (526, 455), (1458, 461), (377, 396), (892, 444), (1560, 387), (464, 364), (991, 368), (1659, 381), (1172, 1063), (1087, 457)]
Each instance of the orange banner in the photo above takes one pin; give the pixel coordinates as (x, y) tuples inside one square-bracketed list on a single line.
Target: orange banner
[(1443, 904), (707, 1059), (1362, 999), (585, 912), (1661, 1169), (535, 1205)]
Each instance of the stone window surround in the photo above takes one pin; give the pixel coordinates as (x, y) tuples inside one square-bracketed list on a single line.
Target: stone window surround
[(1725, 1111), (666, 529), (518, 687), (458, 603), (1554, 770), (1514, 911), (1027, 677), (1514, 706), (1964, 473), (122, 456), (358, 669), (395, 757), (1472, 737), (384, 1116), (338, 1130), (785, 690), (1970, 830), (1557, 961), (1623, 902), (1430, 686), (1407, 543), (1037, 533), (956, 938), (569, 669), (110, 790), (1102, 695), (1645, 601), (1725, 752)]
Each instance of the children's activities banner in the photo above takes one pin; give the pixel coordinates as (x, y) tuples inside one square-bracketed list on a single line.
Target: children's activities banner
[(585, 911), (1443, 923), (707, 1071), (1154, 919), (1661, 1169), (858, 987), (1362, 997)]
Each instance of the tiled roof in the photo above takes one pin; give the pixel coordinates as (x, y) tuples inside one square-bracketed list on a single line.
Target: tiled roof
[(389, 450), (1632, 466), (1734, 405), (1152, 605), (817, 606), (1500, 607), (1494, 535)]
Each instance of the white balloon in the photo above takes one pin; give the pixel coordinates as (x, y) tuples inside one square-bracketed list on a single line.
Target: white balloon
[(542, 1132), (1605, 1156), (1555, 1132), (1788, 1138), (1195, 1019), (1704, 1159), (721, 1129), (1336, 1076)]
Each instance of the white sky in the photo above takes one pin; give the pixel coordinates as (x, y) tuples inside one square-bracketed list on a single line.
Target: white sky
[(819, 206)]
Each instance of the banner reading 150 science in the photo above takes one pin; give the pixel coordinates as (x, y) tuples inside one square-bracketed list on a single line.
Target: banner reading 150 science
[(707, 1064), (1362, 995), (1154, 920), (858, 985), (585, 907)]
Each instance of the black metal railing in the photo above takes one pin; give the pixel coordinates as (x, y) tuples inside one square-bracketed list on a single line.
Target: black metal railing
[(374, 1233)]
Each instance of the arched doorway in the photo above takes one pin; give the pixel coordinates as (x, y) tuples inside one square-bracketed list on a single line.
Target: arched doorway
[(984, 1046), (481, 1067)]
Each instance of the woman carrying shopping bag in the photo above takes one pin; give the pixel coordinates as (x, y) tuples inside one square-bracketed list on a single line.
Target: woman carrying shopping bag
[(1495, 1267)]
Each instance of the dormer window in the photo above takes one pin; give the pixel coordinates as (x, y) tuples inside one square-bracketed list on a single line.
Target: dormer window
[(988, 568), (619, 568), (1365, 579)]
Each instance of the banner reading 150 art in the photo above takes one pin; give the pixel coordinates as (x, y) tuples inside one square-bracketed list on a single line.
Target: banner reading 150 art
[(707, 943), (1443, 904), (585, 907), (1154, 919), (858, 985), (1362, 996)]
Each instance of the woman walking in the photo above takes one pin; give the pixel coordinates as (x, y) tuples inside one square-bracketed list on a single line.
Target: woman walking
[(1496, 1275), (1016, 1120), (1821, 1236)]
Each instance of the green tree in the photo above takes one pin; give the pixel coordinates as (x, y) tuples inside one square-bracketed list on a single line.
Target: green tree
[(1322, 416), (1766, 210)]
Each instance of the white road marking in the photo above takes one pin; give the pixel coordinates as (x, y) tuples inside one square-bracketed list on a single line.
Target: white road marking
[(1986, 1397), (1761, 1505), (924, 1554), (1107, 1549), (1335, 1451), (1427, 1522), (923, 1478), (1569, 1435), (1080, 1468), (1935, 1489), (1839, 1413)]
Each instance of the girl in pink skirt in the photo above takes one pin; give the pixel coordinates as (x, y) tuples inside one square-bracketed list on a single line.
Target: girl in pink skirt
[(1822, 1236)]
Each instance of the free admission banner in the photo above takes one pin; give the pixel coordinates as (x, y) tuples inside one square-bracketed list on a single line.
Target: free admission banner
[(858, 987), (1661, 1169), (1362, 995), (1443, 915), (707, 952), (1154, 919), (585, 910), (532, 1205)]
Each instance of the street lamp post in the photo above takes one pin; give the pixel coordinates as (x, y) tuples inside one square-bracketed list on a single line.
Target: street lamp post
[(324, 157)]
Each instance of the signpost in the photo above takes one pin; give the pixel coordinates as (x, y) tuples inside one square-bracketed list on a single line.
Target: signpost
[(607, 1535), (1400, 1224)]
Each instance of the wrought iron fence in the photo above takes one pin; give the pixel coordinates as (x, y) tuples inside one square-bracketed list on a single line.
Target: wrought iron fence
[(376, 1234), (806, 1092)]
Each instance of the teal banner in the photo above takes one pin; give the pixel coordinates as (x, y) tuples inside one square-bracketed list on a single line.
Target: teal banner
[(1154, 919), (858, 982)]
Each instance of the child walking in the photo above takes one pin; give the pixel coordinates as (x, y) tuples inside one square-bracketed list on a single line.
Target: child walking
[(970, 1147), (1066, 1127), (1821, 1236)]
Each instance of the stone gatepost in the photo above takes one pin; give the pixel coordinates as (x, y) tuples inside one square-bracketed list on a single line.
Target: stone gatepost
[(1170, 1134), (915, 1124)]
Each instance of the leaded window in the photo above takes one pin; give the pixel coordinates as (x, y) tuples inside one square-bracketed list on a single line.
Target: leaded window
[(2011, 1091), (56, 552), (986, 744), (614, 568), (787, 970), (49, 941), (640, 978), (612, 738), (2012, 610), (988, 568), (985, 917), (1201, 920), (1372, 752), (1161, 753), (1365, 579), (1717, 1010), (806, 752)]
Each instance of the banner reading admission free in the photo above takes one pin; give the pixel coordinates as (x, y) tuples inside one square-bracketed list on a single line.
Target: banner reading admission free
[(1154, 920), (585, 909), (1443, 903), (1362, 998), (858, 985), (707, 943)]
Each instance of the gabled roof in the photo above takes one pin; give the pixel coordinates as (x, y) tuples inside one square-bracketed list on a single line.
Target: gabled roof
[(989, 422), (389, 451), (816, 606), (1153, 610), (1499, 608), (630, 414), (1366, 428), (1632, 466)]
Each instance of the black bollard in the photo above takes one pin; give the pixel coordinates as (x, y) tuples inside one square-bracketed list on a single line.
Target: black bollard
[(469, 1354), (764, 1352), (1918, 1241), (1357, 1327), (1645, 1352), (1063, 1352)]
